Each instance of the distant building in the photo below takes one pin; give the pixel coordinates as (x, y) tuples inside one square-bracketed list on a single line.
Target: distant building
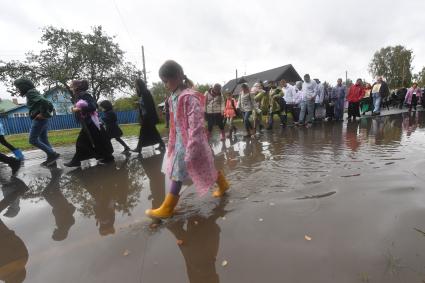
[(12, 109), (286, 72), (61, 99)]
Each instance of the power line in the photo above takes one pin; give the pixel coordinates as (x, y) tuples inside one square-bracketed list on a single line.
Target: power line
[(123, 23)]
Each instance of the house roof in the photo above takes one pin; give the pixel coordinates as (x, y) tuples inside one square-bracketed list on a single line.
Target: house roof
[(286, 72), (7, 105)]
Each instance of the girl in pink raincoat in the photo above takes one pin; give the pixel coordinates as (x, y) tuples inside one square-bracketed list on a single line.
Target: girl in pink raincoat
[(413, 97), (188, 154)]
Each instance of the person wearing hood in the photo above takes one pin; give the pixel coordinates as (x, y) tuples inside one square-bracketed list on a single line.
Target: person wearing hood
[(92, 141), (319, 109), (148, 134), (214, 107), (355, 94), (40, 110), (338, 96), (413, 97)]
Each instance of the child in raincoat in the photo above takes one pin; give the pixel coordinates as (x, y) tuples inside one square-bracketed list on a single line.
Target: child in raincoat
[(189, 155), (230, 111)]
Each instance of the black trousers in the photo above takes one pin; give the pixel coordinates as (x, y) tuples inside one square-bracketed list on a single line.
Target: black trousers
[(6, 159), (414, 102), (4, 142), (93, 143), (295, 112), (353, 109), (215, 119)]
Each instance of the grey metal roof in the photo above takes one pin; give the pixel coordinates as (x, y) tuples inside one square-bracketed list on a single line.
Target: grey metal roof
[(286, 72)]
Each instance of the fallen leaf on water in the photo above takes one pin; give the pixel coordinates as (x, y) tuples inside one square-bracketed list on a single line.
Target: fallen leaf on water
[(179, 242), (126, 253), (308, 238), (224, 263)]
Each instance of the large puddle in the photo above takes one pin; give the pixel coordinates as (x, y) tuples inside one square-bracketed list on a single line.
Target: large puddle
[(334, 203)]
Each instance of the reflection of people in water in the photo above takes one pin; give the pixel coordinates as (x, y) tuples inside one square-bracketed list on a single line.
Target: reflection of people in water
[(12, 191), (13, 256), (152, 167), (62, 210), (200, 244), (13, 252), (351, 136), (108, 189)]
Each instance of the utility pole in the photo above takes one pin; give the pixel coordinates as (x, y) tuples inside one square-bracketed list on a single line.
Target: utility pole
[(144, 66), (346, 77)]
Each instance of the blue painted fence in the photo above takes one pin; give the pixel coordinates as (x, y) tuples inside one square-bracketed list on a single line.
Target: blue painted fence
[(60, 122)]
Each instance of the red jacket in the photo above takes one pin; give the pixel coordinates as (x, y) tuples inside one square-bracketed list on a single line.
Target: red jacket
[(356, 93)]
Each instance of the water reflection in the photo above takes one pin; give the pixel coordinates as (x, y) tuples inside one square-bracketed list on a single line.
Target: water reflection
[(101, 191), (200, 236), (152, 168), (276, 162), (13, 252), (62, 210)]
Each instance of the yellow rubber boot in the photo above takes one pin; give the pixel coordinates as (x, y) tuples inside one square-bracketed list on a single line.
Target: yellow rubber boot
[(166, 209), (222, 183)]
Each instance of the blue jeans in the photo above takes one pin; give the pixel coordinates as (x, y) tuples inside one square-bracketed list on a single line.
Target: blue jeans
[(310, 111), (246, 121), (38, 136), (376, 102), (281, 117)]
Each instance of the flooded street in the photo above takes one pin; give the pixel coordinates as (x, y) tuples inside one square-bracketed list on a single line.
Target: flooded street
[(339, 202)]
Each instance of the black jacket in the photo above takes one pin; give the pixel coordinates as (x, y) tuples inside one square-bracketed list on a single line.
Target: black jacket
[(147, 109), (384, 91), (89, 109), (111, 124)]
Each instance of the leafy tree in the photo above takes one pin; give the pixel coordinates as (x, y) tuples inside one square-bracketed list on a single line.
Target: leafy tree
[(420, 77), (125, 103), (394, 63), (202, 88), (70, 55), (159, 92)]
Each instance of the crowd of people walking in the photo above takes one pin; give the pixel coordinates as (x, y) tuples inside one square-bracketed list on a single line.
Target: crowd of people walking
[(189, 156)]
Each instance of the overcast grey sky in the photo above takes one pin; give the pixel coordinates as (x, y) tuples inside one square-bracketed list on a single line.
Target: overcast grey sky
[(213, 38)]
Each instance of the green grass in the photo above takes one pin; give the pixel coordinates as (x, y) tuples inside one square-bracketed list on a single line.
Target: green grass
[(68, 137)]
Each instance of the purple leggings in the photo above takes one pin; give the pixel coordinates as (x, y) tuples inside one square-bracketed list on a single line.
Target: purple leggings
[(175, 188)]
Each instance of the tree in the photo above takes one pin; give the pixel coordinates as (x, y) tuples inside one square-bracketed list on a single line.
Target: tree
[(394, 63), (73, 55), (125, 103), (420, 77), (159, 92), (202, 88)]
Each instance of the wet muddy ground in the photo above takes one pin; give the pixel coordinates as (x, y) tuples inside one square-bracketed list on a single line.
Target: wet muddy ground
[(339, 202)]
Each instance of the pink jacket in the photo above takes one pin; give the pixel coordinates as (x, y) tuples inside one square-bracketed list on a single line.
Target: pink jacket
[(409, 94), (199, 156), (229, 110)]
